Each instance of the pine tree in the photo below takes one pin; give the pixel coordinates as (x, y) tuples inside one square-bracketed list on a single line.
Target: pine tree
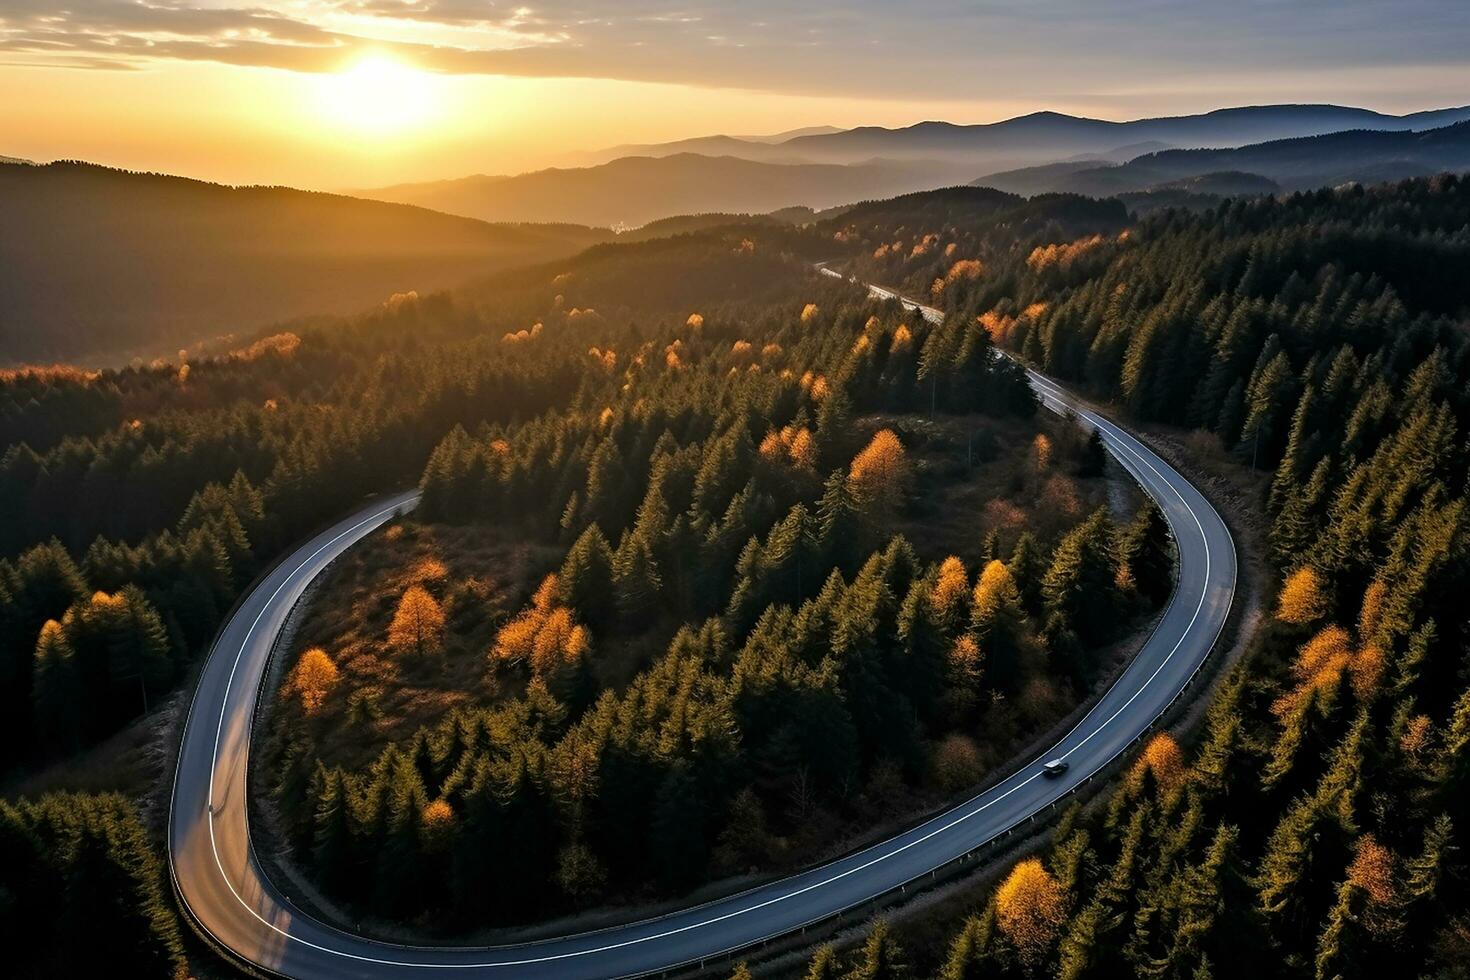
[(823, 964), (1145, 550), (837, 523), (57, 690), (586, 580), (1094, 456), (636, 582), (1080, 585), (331, 840), (881, 957), (1076, 952)]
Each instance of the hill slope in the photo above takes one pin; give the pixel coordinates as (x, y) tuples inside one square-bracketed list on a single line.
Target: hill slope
[(104, 264), (636, 190)]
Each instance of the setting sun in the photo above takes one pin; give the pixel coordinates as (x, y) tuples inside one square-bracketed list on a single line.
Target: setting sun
[(378, 95)]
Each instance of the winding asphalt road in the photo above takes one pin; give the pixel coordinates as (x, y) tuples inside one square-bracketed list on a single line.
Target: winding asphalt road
[(227, 894)]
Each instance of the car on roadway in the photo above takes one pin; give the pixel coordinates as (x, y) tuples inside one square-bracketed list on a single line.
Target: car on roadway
[(1055, 767)]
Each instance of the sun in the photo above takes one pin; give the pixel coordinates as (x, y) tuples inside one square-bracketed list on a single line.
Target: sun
[(376, 95)]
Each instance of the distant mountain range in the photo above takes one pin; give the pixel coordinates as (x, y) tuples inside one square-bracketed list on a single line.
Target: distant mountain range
[(746, 147), (1365, 156), (1045, 137), (103, 264), (822, 169), (106, 264), (635, 190)]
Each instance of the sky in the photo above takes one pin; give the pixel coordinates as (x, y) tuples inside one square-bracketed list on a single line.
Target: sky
[(335, 94)]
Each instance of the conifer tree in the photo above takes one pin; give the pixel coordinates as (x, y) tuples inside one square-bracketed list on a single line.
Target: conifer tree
[(1080, 585), (586, 580), (881, 957), (637, 583)]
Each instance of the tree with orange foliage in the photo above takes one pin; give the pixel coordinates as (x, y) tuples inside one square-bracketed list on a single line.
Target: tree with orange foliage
[(950, 589), (998, 620), (1029, 909), (1372, 870), (879, 475), (809, 313), (1371, 614), (1163, 761), (1318, 668), (995, 594), (965, 661), (545, 635), (1040, 452), (1303, 597), (429, 569), (903, 340), (418, 624), (312, 679), (790, 444)]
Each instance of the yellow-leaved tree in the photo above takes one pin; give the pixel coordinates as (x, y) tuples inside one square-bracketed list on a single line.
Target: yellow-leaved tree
[(312, 679), (879, 475), (545, 634), (418, 624), (1164, 761), (1303, 597), (1030, 908), (950, 590)]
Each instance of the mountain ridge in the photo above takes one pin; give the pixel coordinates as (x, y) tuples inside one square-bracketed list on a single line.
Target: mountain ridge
[(1299, 163), (106, 264)]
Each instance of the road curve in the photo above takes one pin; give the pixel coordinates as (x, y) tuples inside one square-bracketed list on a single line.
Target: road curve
[(227, 894)]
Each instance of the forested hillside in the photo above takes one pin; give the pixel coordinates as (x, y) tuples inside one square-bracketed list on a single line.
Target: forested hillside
[(1315, 827), (102, 265), (140, 502), (755, 590), (811, 562)]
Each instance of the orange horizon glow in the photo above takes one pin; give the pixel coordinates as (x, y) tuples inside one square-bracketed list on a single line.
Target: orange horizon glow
[(343, 100)]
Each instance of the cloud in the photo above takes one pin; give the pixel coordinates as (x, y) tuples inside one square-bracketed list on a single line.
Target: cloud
[(930, 48)]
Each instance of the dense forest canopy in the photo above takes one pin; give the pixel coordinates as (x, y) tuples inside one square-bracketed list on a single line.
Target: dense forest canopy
[(1315, 827), (1311, 827), (738, 512)]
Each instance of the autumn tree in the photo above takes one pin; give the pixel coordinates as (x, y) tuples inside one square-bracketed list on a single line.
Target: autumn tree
[(879, 476), (1030, 908), (1303, 599), (951, 588), (418, 623), (545, 635), (1161, 763), (957, 763), (312, 679)]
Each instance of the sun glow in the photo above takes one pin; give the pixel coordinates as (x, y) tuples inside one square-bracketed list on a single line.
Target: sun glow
[(379, 96)]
